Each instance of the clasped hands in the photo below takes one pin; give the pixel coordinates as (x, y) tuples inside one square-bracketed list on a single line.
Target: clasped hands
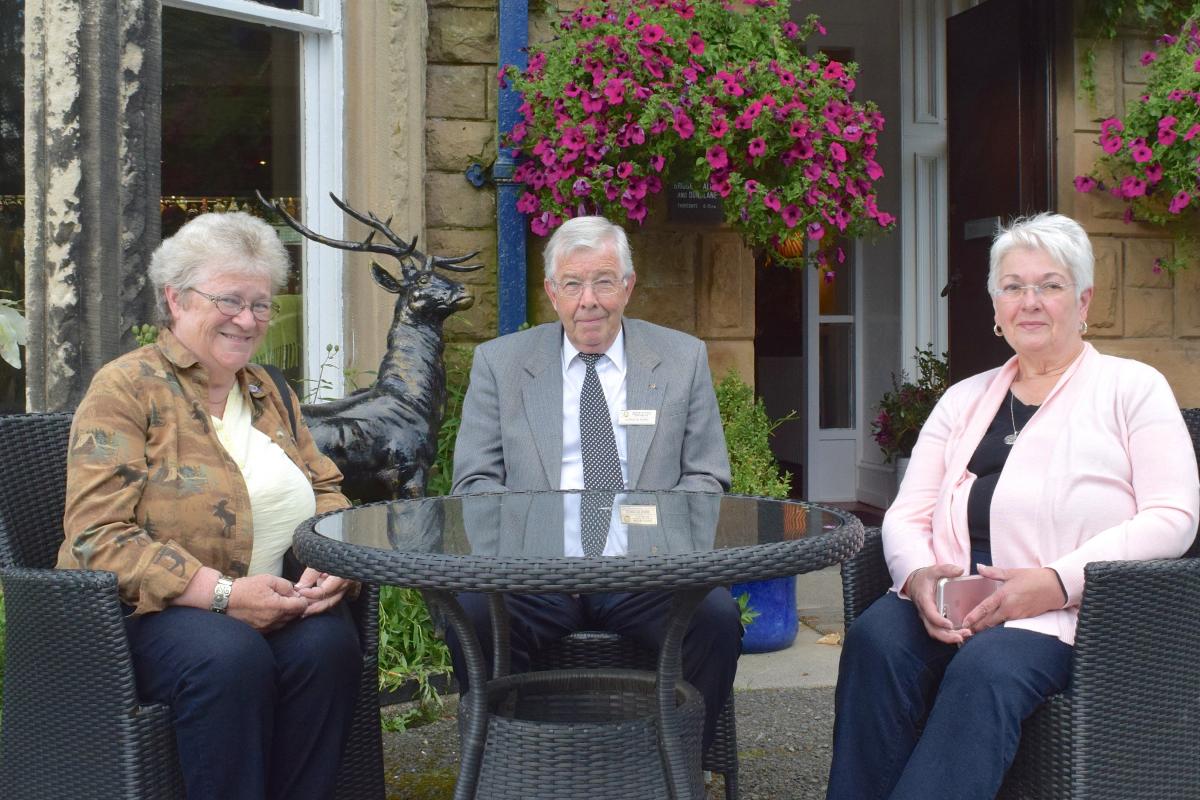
[(1024, 592), (268, 602)]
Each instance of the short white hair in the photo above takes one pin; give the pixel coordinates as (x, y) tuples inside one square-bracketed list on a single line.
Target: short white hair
[(1058, 236), (587, 233), (216, 244)]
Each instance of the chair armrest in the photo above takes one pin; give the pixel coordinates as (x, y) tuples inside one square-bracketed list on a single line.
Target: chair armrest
[(1133, 692), (865, 576)]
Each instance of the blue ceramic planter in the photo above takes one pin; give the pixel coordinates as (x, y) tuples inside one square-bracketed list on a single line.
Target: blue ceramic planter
[(776, 624)]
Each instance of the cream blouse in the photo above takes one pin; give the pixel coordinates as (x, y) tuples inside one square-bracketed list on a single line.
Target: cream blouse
[(280, 495)]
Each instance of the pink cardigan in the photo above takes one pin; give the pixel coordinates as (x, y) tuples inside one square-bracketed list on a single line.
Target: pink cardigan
[(1104, 471)]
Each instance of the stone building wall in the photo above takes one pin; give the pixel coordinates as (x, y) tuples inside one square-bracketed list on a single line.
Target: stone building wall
[(698, 279), (1137, 311)]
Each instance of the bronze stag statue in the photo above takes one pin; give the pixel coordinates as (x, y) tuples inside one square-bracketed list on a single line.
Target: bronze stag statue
[(384, 437)]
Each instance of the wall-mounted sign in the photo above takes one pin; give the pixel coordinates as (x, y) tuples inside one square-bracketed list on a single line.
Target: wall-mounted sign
[(687, 204)]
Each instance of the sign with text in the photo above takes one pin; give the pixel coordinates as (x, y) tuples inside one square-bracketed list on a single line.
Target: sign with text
[(687, 204)]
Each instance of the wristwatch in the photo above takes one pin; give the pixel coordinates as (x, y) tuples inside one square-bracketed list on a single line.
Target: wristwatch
[(221, 592)]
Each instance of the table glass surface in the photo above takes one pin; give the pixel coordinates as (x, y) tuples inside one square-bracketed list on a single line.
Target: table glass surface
[(545, 524)]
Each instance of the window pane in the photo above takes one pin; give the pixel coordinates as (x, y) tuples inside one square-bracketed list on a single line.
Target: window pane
[(835, 293), (298, 5), (231, 125), (12, 182), (837, 374)]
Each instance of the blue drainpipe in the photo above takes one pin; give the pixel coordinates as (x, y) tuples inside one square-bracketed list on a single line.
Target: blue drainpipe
[(510, 223)]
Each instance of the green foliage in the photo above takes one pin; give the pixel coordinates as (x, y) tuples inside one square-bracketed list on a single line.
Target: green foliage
[(904, 409), (746, 613), (748, 438), (410, 650), (442, 473), (145, 334), (1103, 19)]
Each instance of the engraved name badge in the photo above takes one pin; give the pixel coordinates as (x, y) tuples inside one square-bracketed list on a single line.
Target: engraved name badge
[(638, 416), (638, 515)]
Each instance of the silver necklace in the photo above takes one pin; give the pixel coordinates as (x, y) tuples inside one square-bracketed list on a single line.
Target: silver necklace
[(1011, 438)]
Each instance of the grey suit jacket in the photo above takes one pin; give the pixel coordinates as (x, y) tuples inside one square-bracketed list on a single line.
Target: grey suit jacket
[(511, 432)]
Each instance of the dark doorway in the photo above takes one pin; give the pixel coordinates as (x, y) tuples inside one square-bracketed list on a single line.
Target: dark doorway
[(779, 368), (1000, 85)]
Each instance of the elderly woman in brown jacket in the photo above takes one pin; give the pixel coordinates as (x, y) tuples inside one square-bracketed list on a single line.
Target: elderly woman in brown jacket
[(185, 479)]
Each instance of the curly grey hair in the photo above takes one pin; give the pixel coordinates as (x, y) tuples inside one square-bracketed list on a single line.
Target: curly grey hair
[(213, 244)]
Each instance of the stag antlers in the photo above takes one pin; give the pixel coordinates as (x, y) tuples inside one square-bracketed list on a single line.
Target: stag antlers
[(399, 249)]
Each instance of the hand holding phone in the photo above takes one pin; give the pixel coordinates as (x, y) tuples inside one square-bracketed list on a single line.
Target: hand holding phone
[(957, 597)]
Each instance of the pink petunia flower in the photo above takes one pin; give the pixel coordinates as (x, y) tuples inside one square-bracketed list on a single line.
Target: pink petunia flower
[(815, 231), (1084, 184), (1154, 173), (791, 215), (528, 203), (1132, 187), (757, 147), (695, 44), (718, 127), (751, 187), (657, 162), (1148, 58), (790, 29), (1192, 132), (1111, 144), (652, 34), (683, 125), (717, 157), (771, 201), (1111, 124), (838, 152), (1167, 136), (1140, 152), (1179, 202)]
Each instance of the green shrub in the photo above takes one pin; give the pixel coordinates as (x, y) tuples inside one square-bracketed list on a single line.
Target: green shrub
[(748, 438)]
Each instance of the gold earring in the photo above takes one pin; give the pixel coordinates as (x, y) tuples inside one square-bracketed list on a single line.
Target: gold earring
[(996, 329), (1082, 326)]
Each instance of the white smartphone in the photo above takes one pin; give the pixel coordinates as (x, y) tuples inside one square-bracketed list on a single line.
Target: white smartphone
[(957, 597)]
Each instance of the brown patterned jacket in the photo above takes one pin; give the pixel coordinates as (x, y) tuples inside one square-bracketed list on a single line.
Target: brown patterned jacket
[(151, 494)]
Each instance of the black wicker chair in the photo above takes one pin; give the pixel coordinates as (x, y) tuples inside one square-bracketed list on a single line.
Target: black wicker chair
[(600, 650), (72, 724), (1127, 726)]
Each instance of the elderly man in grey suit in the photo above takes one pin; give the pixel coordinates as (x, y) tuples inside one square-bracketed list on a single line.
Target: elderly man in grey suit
[(533, 418)]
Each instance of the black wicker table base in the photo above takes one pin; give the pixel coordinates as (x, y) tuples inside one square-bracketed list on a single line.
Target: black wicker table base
[(557, 736)]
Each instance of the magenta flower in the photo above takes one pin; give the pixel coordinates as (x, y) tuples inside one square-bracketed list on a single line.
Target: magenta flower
[(1139, 151), (815, 231), (1167, 136), (718, 127), (833, 70), (1196, 66), (1111, 144), (751, 186), (581, 188), (1154, 173), (874, 171), (1111, 124), (695, 44), (720, 185), (757, 147), (790, 29), (632, 22), (813, 171), (1192, 131), (1148, 57), (652, 34), (614, 90), (771, 201), (683, 125), (717, 157), (1132, 187), (838, 152), (528, 203), (657, 162), (1084, 184), (791, 215), (1179, 202)]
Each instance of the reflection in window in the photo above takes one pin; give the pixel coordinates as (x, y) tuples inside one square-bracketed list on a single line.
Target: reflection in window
[(836, 374), (12, 182), (230, 126)]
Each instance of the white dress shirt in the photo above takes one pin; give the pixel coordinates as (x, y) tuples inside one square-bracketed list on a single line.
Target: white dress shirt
[(610, 369)]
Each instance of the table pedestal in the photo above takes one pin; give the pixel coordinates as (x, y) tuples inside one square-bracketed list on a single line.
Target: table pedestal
[(583, 734)]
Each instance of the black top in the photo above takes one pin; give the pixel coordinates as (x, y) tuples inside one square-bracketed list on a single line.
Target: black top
[(987, 463)]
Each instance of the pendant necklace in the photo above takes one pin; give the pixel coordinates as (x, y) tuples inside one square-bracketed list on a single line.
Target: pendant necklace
[(1011, 438)]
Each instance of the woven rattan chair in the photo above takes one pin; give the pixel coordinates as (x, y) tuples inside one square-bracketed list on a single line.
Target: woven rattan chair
[(72, 724), (600, 650), (1127, 726)]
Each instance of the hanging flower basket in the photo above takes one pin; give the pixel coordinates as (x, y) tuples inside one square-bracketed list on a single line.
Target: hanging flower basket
[(633, 94)]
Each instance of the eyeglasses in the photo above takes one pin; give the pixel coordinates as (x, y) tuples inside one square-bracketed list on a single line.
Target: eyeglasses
[(601, 287), (231, 306), (1015, 291)]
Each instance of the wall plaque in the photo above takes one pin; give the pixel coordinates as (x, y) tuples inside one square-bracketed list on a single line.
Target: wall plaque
[(687, 204)]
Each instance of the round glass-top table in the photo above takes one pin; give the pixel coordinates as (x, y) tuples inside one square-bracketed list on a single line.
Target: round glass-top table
[(531, 542)]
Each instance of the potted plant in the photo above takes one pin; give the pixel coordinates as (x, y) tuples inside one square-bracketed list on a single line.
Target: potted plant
[(634, 94), (904, 409), (1150, 154)]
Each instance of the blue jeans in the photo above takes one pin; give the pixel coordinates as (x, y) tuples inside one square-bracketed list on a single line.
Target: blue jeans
[(971, 700), (256, 716)]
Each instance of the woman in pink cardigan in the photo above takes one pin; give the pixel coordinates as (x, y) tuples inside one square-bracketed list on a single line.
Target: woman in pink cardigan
[(1023, 474)]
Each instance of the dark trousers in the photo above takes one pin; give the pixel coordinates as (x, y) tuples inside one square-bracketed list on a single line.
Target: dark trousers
[(256, 716), (711, 645), (972, 700)]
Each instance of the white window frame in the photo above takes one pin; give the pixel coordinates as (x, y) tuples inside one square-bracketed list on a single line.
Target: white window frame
[(322, 86)]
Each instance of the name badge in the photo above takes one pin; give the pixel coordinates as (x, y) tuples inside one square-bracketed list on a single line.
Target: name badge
[(637, 416), (638, 515)]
